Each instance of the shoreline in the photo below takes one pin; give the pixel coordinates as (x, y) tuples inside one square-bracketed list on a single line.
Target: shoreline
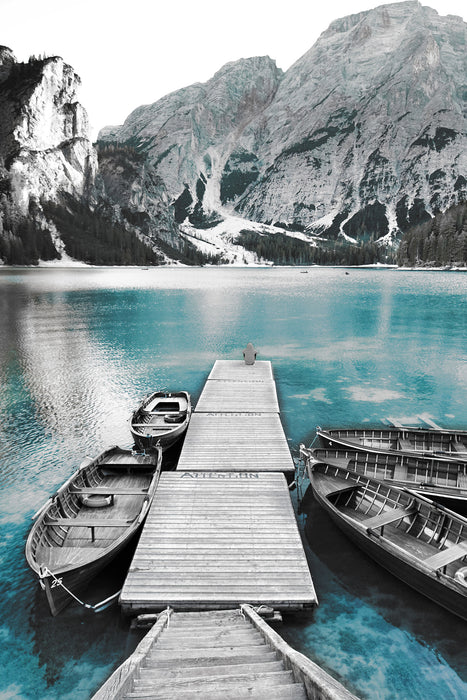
[(72, 265)]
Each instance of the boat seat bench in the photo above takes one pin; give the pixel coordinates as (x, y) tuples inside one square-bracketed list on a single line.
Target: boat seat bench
[(108, 491), (389, 516), (153, 426), (446, 556), (92, 524)]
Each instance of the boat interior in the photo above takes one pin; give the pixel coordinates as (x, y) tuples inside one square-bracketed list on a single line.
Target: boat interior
[(92, 511), (162, 412), (433, 535), (410, 469)]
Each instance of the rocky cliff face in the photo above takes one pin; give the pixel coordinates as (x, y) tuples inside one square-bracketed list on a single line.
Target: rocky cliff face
[(138, 194), (367, 131), (190, 137), (363, 136), (47, 161), (44, 139)]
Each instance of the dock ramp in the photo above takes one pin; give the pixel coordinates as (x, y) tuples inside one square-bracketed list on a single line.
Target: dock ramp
[(224, 655)]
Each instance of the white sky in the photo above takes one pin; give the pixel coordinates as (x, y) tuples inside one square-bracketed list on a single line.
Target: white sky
[(134, 52)]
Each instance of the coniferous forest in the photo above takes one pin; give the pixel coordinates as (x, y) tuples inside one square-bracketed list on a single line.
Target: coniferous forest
[(91, 236), (441, 241), (95, 239), (287, 250)]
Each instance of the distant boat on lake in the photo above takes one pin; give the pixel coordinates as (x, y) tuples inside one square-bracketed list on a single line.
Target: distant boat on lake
[(419, 542), (89, 520), (161, 418)]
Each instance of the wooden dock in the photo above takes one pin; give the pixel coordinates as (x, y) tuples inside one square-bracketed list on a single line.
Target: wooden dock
[(236, 425), (221, 530), (213, 540)]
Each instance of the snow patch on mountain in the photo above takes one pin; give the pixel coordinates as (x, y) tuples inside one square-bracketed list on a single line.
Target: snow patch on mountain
[(221, 239)]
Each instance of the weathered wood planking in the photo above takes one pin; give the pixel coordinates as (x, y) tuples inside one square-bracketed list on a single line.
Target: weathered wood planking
[(233, 386), (232, 370), (224, 654), (217, 539), (236, 424), (236, 441), (238, 396)]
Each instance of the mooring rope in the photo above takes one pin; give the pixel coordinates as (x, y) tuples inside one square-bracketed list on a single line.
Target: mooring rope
[(97, 607)]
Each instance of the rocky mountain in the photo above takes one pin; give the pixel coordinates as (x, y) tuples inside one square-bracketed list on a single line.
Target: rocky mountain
[(367, 131), (331, 161), (190, 136), (44, 131), (362, 137), (49, 173)]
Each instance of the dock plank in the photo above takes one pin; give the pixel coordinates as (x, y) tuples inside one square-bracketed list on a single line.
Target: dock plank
[(266, 564), (232, 396), (238, 370), (235, 442)]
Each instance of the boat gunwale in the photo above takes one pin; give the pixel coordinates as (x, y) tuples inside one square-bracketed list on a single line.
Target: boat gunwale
[(115, 544), (443, 455)]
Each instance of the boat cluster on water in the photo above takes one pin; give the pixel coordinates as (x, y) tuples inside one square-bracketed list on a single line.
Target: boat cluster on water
[(94, 515), (400, 494)]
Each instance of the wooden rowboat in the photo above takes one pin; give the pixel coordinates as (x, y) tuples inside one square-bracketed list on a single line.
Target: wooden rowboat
[(434, 476), (162, 418), (440, 442), (418, 541), (89, 520)]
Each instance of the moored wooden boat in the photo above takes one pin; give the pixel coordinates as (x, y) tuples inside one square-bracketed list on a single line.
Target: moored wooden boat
[(89, 520), (432, 475), (440, 442), (418, 541), (161, 418)]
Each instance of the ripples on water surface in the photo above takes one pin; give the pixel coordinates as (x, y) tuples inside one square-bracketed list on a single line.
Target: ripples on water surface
[(79, 348)]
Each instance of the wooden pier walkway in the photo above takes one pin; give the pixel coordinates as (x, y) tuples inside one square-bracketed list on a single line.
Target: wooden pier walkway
[(221, 537), (236, 424), (221, 530), (224, 655)]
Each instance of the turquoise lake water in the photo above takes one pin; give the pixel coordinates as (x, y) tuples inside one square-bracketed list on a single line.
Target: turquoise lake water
[(80, 347)]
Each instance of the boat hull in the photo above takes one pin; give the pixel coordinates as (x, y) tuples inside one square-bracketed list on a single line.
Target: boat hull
[(71, 542), (151, 428), (432, 584), (448, 444), (425, 473), (63, 588), (165, 441), (424, 584)]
